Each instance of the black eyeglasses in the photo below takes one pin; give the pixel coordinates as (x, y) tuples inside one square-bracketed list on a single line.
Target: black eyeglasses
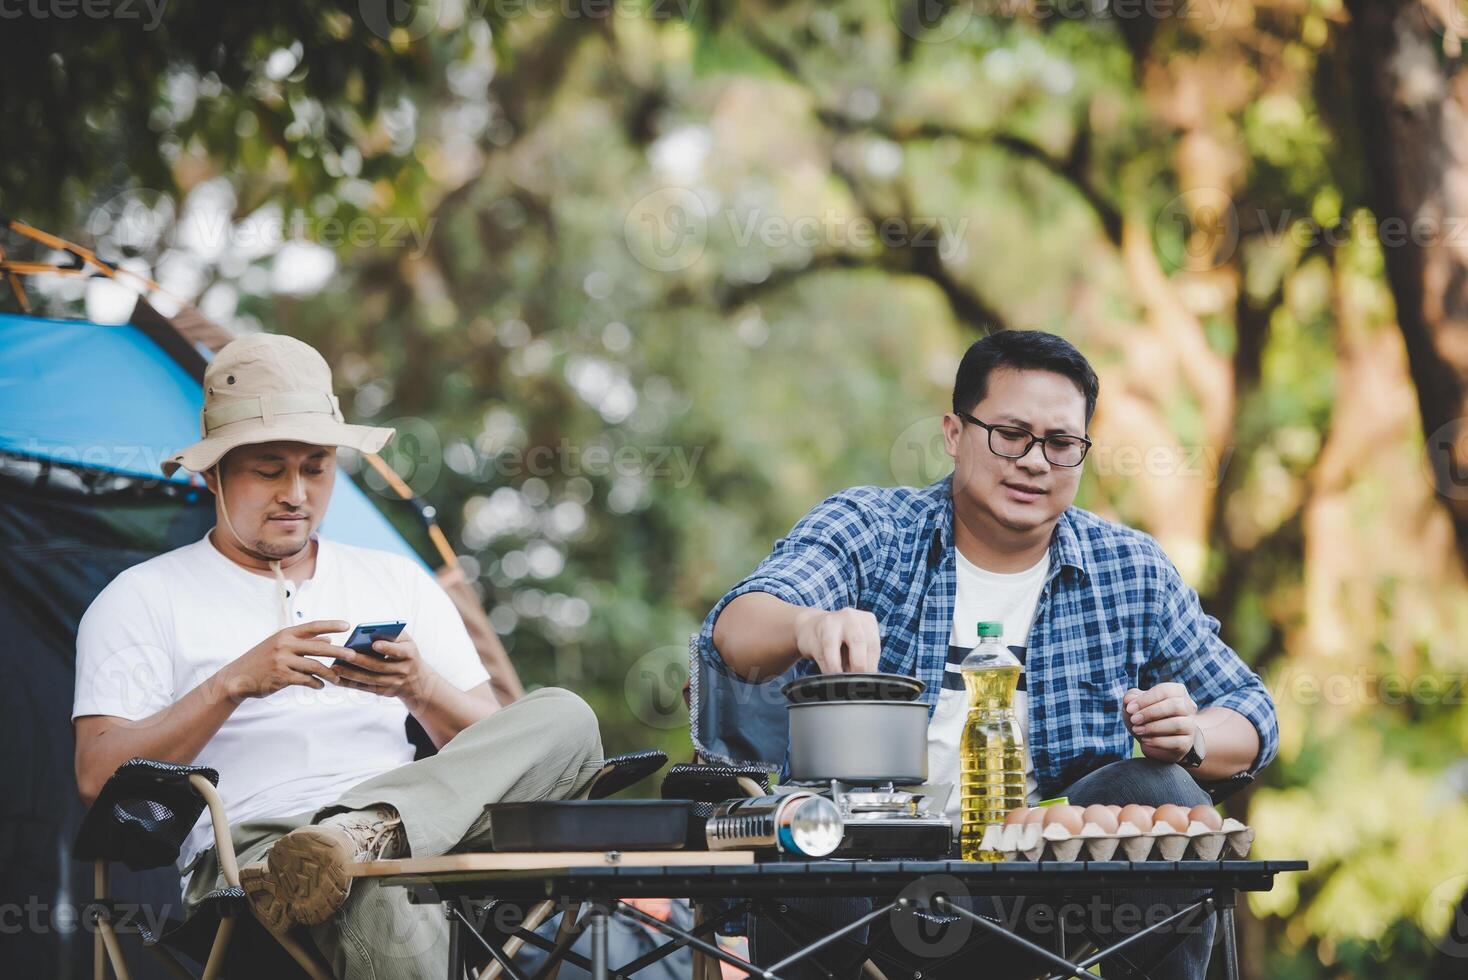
[(1012, 442)]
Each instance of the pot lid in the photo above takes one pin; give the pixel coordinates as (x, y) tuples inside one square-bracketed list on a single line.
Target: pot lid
[(853, 687)]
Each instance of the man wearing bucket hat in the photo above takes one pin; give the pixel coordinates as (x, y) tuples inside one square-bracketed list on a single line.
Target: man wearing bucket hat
[(219, 653)]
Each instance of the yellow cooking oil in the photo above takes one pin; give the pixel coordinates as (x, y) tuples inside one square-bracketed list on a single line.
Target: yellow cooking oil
[(991, 755)]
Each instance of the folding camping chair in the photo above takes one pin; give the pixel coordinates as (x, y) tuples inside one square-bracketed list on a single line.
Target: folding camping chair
[(141, 818)]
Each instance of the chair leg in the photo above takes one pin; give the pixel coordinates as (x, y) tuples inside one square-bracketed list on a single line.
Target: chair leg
[(171, 963), (99, 948), (312, 964), (114, 951), (568, 923), (220, 947), (533, 921)]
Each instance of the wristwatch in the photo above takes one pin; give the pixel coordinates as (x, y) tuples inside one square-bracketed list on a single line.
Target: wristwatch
[(1197, 753)]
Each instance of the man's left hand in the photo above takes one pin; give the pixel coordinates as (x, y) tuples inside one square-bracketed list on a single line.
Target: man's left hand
[(1163, 719), (405, 674)]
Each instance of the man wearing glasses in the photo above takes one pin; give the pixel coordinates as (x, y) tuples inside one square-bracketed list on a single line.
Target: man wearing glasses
[(1114, 645)]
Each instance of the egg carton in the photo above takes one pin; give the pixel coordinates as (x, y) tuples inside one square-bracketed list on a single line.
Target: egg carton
[(1055, 843)]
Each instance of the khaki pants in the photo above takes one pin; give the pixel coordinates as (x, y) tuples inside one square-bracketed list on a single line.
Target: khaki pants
[(545, 746)]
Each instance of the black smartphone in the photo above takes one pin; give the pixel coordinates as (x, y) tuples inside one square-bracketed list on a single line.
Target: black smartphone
[(366, 634)]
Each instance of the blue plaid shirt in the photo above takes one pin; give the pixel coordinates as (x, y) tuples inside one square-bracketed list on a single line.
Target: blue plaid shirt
[(1113, 614)]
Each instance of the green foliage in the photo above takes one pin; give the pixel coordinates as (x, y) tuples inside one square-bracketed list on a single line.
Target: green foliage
[(623, 369)]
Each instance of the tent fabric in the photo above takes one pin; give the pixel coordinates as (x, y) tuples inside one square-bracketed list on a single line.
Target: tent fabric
[(108, 398), (60, 544), (86, 411)]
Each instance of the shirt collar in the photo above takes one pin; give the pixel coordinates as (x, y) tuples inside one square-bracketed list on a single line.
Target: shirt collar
[(1065, 544)]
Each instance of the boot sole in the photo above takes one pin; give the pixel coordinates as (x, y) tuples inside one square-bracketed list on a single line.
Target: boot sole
[(310, 866), (262, 892)]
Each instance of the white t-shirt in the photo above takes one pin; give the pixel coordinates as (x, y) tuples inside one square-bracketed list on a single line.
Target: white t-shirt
[(163, 627), (983, 596)]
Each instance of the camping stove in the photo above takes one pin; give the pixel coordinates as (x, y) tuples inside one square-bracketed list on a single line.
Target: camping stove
[(877, 821), (883, 821)]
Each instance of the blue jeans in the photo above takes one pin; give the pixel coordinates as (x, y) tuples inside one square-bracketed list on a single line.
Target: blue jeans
[(936, 948)]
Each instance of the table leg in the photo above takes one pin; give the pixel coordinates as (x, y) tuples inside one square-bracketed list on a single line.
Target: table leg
[(1230, 947), (598, 924), (456, 939)]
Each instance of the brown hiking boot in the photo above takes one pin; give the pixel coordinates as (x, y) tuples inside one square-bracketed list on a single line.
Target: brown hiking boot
[(262, 891), (311, 865)]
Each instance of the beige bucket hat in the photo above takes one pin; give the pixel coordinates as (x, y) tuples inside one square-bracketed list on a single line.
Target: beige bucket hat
[(270, 388)]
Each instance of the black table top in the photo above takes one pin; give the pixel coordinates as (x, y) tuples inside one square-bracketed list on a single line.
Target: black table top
[(779, 879)]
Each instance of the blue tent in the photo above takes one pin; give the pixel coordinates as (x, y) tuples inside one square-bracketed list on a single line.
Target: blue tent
[(86, 414), (110, 398)]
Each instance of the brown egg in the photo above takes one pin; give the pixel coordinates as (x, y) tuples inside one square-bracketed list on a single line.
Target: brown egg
[(1102, 817), (1207, 816), (1065, 816), (1172, 815), (1035, 816), (1016, 816), (1138, 816)]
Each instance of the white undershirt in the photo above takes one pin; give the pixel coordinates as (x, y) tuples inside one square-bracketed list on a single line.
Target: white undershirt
[(983, 596), (163, 627)]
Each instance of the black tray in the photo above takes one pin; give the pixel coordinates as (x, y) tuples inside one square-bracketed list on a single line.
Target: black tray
[(591, 825)]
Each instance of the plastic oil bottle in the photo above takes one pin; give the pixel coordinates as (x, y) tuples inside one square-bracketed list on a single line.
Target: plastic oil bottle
[(991, 755)]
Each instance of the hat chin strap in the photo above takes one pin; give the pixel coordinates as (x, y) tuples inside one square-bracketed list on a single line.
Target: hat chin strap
[(282, 593)]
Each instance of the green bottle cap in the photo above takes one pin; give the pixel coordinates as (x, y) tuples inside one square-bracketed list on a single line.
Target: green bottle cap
[(991, 629)]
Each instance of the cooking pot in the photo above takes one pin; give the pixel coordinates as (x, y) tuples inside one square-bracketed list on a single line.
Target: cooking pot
[(858, 728)]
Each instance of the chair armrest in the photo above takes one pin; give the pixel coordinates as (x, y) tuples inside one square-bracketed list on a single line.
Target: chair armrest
[(143, 814), (713, 783), (622, 771)]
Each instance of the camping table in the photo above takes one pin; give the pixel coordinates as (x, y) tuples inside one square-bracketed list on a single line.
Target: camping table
[(467, 882)]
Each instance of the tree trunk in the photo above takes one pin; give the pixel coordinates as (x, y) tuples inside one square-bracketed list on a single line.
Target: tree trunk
[(1412, 98)]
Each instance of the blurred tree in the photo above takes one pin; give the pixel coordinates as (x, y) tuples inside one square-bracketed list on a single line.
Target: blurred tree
[(639, 288)]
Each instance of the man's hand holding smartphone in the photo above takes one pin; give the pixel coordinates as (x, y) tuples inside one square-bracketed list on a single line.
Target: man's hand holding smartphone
[(384, 660)]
